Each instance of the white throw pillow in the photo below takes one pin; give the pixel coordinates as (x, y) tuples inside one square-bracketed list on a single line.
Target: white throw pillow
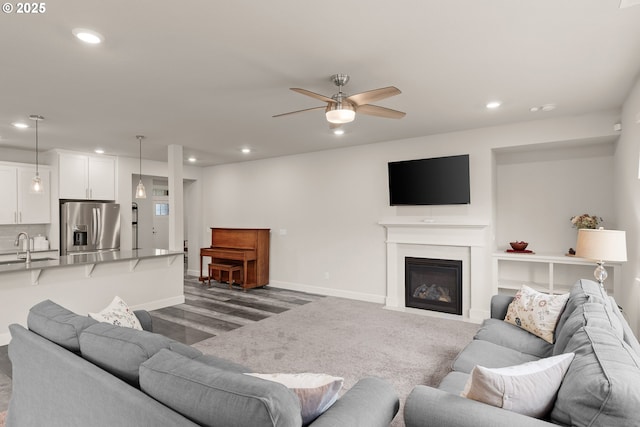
[(536, 312), (317, 392), (528, 389), (118, 313)]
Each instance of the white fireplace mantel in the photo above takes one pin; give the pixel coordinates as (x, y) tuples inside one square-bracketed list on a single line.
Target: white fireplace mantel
[(465, 240)]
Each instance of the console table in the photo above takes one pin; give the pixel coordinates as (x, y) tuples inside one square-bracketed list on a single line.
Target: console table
[(540, 271)]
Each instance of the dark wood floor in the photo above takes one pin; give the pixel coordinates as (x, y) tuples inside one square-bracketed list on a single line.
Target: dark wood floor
[(208, 312)]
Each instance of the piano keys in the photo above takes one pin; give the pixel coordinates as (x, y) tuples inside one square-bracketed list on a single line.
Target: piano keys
[(248, 247)]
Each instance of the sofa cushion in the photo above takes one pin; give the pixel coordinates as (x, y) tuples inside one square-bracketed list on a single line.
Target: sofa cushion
[(627, 333), (488, 354), (589, 313), (57, 324), (505, 334), (529, 389), (536, 312), (582, 291), (601, 385), (210, 396), (120, 351), (220, 363), (454, 382)]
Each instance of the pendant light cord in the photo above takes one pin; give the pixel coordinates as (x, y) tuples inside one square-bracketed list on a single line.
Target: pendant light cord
[(37, 120), (140, 144)]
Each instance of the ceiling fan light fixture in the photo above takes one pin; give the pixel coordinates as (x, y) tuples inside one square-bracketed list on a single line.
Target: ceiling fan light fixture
[(340, 113)]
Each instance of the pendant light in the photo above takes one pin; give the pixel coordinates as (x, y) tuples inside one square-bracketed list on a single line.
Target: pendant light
[(141, 193), (36, 182)]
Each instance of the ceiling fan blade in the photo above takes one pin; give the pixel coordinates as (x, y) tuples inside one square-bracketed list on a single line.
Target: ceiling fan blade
[(374, 110), (312, 94), (299, 111), (373, 95)]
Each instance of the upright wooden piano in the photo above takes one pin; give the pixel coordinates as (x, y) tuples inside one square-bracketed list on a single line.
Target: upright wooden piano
[(248, 247)]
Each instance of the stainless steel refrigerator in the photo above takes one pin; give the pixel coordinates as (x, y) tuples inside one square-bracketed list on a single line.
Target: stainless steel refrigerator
[(89, 227)]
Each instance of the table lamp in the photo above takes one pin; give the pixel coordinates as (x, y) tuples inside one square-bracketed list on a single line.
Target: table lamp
[(601, 245)]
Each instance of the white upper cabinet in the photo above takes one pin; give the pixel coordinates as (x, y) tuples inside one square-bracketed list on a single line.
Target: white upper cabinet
[(19, 205), (86, 177), (9, 195)]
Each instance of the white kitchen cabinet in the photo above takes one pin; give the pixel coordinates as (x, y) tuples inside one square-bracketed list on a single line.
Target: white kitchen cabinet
[(19, 205), (85, 177)]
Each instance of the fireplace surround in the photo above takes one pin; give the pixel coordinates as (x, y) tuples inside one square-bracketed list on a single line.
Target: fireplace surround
[(466, 241)]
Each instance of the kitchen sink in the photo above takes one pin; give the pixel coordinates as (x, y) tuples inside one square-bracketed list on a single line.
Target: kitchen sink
[(22, 261)]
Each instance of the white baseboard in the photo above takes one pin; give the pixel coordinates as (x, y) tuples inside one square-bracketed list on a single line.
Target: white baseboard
[(477, 316), (5, 338), (359, 296), (193, 272), (161, 303)]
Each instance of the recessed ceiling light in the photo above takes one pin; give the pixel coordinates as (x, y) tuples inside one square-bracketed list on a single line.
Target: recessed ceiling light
[(88, 36), (493, 104), (246, 150), (99, 150), (20, 125), (338, 131), (192, 159)]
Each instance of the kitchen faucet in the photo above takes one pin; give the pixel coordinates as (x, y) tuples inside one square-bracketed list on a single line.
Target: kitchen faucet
[(27, 259)]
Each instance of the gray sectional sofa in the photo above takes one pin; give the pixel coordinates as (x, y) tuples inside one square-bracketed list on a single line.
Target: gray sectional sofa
[(600, 388), (69, 370)]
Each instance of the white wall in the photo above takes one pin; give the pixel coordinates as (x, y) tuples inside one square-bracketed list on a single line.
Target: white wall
[(542, 189), (329, 202), (627, 204)]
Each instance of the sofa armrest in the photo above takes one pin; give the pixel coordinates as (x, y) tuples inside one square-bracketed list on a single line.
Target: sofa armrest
[(371, 402), (145, 319), (499, 306), (430, 407)]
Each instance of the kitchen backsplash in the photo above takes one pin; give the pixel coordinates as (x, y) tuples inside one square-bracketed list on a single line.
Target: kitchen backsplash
[(8, 234)]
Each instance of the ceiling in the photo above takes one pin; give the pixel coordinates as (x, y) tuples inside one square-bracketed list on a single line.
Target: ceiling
[(209, 75)]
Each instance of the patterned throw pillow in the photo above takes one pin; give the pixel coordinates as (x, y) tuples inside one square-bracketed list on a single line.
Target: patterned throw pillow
[(118, 313), (528, 389), (317, 392), (536, 312)]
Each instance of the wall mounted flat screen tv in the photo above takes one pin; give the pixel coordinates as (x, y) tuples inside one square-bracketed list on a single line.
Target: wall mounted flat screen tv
[(434, 181)]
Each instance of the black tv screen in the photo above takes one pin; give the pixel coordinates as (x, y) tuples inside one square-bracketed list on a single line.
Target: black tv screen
[(434, 181)]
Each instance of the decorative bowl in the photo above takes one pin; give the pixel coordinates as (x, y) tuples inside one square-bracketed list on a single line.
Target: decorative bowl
[(519, 246)]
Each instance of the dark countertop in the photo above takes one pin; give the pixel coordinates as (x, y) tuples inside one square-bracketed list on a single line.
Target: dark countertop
[(86, 259)]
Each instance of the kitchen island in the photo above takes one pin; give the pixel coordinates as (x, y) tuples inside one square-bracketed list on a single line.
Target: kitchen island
[(144, 278)]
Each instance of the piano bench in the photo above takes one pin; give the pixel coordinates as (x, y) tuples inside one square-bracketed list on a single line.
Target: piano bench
[(229, 268)]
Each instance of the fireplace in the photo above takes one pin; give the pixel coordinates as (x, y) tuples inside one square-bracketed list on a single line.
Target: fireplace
[(433, 284)]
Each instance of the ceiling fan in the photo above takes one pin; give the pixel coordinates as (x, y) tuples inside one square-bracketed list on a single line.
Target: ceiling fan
[(342, 108)]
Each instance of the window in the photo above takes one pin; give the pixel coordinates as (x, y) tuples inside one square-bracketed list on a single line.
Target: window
[(162, 209)]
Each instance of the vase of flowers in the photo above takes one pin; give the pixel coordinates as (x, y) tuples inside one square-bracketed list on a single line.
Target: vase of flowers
[(585, 221)]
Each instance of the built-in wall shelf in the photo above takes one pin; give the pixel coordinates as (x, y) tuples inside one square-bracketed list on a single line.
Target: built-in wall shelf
[(552, 273)]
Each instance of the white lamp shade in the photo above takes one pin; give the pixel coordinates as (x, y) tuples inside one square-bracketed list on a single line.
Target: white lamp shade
[(602, 245)]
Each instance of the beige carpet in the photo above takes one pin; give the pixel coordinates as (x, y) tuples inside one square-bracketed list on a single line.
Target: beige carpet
[(351, 339)]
